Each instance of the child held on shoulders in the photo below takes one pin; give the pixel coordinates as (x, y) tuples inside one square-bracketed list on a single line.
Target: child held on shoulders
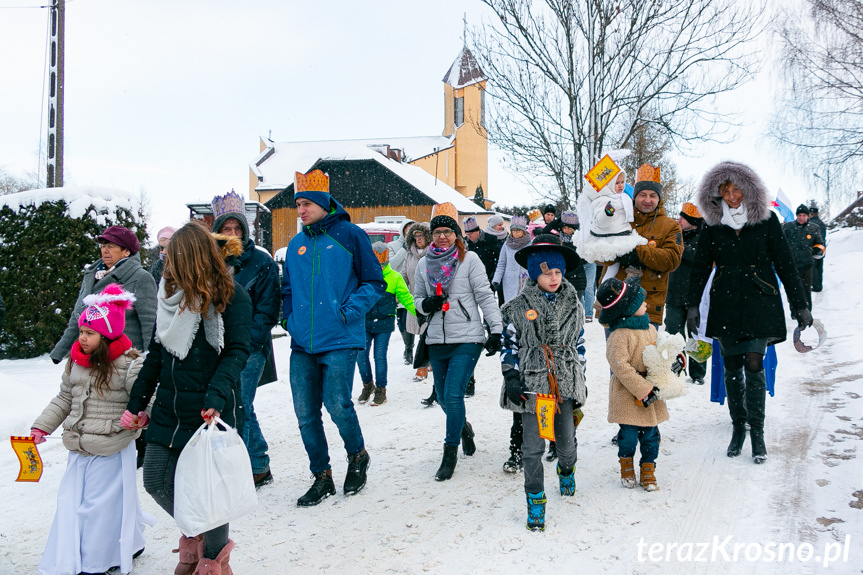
[(99, 523), (544, 354), (380, 324), (633, 402)]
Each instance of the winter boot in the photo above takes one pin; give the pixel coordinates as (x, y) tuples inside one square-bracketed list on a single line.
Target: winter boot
[(627, 473), (567, 481), (409, 356), (408, 338), (648, 479), (515, 462), (355, 479), (421, 374), (471, 387), (738, 436), (380, 396), (516, 436), (217, 566), (755, 398), (536, 511), (552, 452), (322, 488), (447, 464), (430, 400), (368, 388), (467, 443), (190, 549)]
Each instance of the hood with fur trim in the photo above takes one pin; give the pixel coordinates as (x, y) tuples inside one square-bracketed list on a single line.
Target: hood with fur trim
[(417, 227), (755, 195)]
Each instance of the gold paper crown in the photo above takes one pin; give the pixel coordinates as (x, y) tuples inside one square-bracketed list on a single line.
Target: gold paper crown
[(690, 210), (230, 203), (647, 173), (444, 209), (314, 181), (534, 215)]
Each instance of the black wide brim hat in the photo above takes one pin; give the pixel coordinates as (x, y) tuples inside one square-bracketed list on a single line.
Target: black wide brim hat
[(548, 242)]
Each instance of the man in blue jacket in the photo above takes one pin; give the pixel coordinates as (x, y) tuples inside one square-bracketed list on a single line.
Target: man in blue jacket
[(256, 271), (331, 279)]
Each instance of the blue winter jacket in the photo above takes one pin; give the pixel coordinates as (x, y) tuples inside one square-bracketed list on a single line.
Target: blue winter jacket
[(331, 279)]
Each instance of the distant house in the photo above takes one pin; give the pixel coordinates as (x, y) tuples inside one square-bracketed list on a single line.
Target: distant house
[(852, 216), (414, 172)]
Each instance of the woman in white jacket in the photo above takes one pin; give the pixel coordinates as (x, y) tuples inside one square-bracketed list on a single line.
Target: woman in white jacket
[(452, 292)]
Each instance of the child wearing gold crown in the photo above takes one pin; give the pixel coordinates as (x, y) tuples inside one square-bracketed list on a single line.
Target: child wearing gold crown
[(99, 523)]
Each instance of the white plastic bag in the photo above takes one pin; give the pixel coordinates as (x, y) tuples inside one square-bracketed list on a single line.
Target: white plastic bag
[(213, 482)]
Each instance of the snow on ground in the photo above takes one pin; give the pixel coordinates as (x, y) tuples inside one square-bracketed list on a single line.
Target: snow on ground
[(808, 496)]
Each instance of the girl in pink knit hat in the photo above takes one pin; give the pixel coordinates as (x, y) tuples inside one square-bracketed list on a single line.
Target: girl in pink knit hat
[(99, 522)]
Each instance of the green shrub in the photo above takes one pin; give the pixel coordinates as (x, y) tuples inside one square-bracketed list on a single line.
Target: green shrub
[(43, 252)]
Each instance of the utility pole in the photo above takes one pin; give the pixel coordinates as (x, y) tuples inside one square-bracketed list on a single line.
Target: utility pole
[(55, 101)]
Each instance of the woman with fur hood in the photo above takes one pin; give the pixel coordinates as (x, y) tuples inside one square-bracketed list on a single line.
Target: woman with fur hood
[(417, 241), (744, 241)]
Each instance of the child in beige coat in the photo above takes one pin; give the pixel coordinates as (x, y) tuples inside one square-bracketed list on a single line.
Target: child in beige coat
[(632, 400)]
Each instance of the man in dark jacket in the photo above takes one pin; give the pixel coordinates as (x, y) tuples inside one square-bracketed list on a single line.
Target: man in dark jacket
[(259, 275), (818, 264), (677, 300), (807, 244), (486, 246), (331, 279)]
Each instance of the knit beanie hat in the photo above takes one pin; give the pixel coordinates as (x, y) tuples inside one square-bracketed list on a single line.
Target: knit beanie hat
[(469, 224), (382, 251), (518, 223), (647, 178), (569, 218), (541, 260), (494, 220), (165, 232), (231, 205), (120, 236), (802, 209), (813, 210), (691, 214), (106, 312), (619, 298), (444, 216), (314, 186)]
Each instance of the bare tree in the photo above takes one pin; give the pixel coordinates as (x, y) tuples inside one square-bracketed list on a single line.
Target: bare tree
[(819, 118), (571, 78), (10, 184)]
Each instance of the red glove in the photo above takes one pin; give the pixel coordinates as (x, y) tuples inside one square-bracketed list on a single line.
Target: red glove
[(38, 435)]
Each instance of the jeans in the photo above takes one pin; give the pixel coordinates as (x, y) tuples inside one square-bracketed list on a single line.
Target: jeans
[(450, 381), (325, 379), (381, 342), (675, 322), (534, 446), (252, 436), (630, 435), (590, 290)]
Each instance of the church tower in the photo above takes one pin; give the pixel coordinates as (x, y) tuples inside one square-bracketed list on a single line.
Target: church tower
[(464, 116)]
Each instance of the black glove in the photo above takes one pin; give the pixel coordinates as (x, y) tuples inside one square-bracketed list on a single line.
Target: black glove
[(650, 397), (679, 364), (693, 319), (515, 387), (630, 260), (492, 344), (421, 319), (56, 361), (817, 253), (433, 303), (804, 318), (495, 287)]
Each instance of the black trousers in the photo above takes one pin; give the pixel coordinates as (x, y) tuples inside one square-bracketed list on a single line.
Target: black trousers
[(818, 275)]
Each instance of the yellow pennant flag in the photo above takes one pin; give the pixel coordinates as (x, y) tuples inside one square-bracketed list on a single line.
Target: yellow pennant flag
[(28, 456), (545, 408)]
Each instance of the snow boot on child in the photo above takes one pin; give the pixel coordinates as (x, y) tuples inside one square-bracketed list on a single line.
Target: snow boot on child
[(217, 566), (552, 451), (566, 481), (627, 473), (648, 478), (190, 550), (368, 389), (536, 511)]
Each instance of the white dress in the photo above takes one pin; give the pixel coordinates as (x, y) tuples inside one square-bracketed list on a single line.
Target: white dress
[(99, 522)]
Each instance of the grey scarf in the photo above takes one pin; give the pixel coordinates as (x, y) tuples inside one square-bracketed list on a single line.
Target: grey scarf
[(176, 329)]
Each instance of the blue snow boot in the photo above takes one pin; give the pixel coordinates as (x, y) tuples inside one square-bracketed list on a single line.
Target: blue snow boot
[(536, 511), (567, 481)]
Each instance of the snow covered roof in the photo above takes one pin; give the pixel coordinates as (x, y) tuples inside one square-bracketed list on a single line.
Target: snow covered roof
[(276, 165), (78, 199), (464, 71)]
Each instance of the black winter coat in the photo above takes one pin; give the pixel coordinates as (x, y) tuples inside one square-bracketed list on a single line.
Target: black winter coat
[(801, 240), (259, 275), (678, 281), (487, 247), (576, 276), (744, 297), (202, 380)]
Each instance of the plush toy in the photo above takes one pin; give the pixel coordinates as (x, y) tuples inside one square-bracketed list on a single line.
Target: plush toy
[(661, 361), (605, 216)]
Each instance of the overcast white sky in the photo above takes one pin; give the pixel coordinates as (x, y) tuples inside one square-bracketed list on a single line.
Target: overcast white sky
[(171, 97)]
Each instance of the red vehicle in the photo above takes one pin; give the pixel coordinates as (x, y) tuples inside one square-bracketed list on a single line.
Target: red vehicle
[(381, 232)]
